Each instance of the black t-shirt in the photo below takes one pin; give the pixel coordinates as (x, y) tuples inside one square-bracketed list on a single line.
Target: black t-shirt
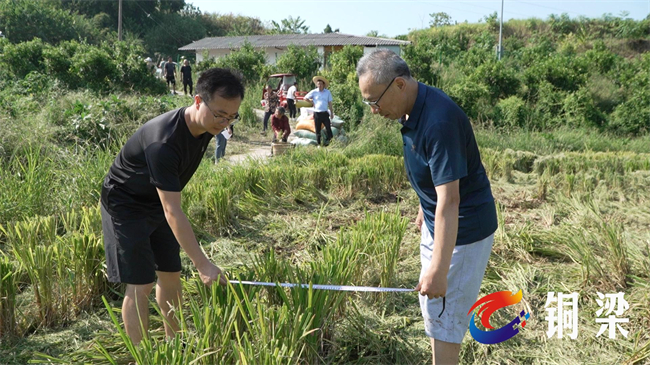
[(170, 68), (161, 154), (186, 71)]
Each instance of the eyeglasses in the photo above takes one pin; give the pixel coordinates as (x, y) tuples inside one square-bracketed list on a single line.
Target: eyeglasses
[(375, 104), (221, 119)]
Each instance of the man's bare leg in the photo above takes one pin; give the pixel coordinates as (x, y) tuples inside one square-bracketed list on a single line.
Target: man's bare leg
[(135, 309), (444, 353), (168, 291)]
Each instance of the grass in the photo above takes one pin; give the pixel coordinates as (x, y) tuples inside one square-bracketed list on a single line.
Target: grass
[(572, 218)]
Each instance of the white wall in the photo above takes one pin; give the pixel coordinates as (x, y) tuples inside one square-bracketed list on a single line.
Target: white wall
[(395, 49), (272, 54)]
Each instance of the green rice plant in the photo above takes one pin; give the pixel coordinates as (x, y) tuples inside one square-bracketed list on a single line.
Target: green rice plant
[(229, 325), (616, 163), (378, 238), (38, 262), (25, 182), (370, 174), (85, 220), (612, 234), (8, 289), (33, 244), (81, 267), (80, 174), (273, 335)]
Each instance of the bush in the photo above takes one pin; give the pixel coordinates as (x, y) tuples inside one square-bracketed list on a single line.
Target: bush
[(633, 116), (104, 68), (547, 107), (131, 72), (96, 68), (343, 62), (499, 79), (512, 113), (347, 102), (600, 59), (472, 97), (565, 73), (247, 108), (246, 60), (579, 110), (22, 58)]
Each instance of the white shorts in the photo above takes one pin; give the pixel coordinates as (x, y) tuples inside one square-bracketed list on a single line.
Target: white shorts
[(468, 263)]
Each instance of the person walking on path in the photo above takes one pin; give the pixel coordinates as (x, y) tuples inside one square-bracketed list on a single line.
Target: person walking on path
[(291, 100), (272, 101), (322, 100), (457, 215), (143, 223), (186, 74), (170, 74)]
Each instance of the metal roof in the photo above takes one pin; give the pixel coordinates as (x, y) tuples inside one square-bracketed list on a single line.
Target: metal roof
[(283, 40)]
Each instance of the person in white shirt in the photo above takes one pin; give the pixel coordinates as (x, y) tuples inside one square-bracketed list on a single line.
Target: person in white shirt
[(291, 100), (322, 100)]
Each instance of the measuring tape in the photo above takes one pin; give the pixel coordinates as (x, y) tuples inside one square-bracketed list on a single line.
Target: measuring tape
[(332, 287), (324, 287)]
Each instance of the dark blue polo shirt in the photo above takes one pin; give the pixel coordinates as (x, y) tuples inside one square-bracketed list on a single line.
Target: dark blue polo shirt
[(439, 147)]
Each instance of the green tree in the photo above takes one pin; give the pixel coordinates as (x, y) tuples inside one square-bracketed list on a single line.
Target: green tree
[(301, 61), (375, 33), (290, 25), (439, 19), (327, 29), (220, 25), (173, 32), (24, 20), (246, 60)]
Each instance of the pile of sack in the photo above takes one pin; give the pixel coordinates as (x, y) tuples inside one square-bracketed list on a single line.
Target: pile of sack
[(305, 132)]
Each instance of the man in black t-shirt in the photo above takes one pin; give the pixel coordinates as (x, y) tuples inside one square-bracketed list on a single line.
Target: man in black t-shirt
[(170, 74), (142, 220), (186, 73)]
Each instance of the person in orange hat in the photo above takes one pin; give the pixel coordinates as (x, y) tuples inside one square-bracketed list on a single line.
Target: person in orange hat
[(321, 97)]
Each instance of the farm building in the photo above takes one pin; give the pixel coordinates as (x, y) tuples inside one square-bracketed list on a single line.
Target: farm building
[(276, 45)]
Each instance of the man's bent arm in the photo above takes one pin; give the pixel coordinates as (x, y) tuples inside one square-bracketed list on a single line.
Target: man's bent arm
[(182, 229)]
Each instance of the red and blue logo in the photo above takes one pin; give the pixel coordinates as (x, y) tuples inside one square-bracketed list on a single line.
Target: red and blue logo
[(491, 303)]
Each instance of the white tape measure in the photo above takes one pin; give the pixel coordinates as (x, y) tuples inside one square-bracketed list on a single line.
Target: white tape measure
[(324, 287), (333, 287)]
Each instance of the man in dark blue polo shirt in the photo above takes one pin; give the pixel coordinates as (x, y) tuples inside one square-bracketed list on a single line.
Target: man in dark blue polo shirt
[(456, 205)]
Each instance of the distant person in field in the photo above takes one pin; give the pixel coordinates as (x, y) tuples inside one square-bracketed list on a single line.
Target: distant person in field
[(221, 140), (280, 125), (457, 214), (291, 99), (143, 224), (151, 66), (321, 97), (186, 74), (272, 102), (170, 74)]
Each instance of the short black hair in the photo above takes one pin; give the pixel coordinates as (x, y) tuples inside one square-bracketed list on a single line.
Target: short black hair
[(224, 82), (281, 110)]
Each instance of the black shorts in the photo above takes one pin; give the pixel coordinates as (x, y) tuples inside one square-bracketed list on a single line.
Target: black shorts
[(137, 248), (171, 79)]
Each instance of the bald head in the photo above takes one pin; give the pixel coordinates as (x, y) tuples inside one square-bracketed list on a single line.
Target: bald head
[(382, 66)]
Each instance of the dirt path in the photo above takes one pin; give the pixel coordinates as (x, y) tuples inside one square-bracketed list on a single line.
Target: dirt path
[(257, 152)]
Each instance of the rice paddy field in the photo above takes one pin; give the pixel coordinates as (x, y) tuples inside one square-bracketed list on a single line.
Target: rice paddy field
[(574, 217)]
